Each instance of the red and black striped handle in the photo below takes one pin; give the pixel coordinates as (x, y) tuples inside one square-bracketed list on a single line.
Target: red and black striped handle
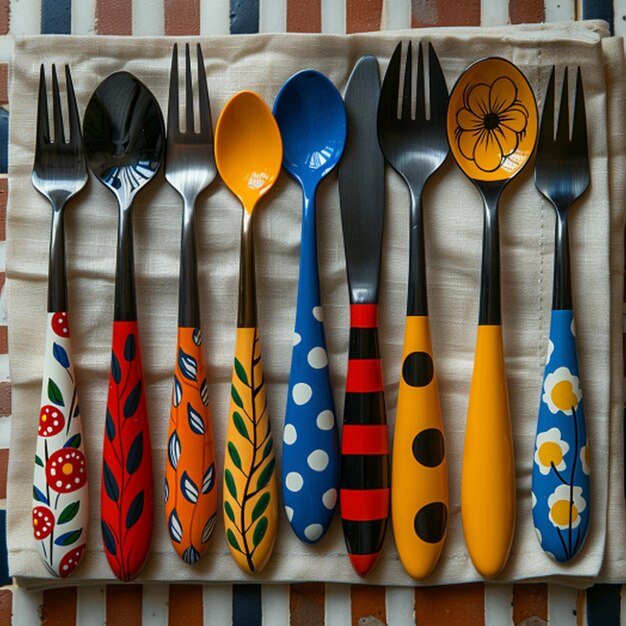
[(364, 494)]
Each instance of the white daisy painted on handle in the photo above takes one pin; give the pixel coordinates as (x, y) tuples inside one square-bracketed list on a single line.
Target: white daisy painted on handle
[(584, 459), (550, 450), (561, 391), (562, 509)]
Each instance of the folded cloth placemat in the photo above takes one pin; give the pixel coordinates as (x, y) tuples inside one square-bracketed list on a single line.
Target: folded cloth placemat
[(453, 221)]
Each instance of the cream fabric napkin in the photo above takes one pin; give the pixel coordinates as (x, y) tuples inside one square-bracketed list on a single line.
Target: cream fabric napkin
[(453, 214)]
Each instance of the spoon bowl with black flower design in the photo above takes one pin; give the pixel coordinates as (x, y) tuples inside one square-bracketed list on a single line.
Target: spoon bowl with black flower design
[(492, 131)]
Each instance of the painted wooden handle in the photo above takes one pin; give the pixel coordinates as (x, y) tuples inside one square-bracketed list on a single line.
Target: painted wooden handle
[(126, 497), (560, 481), (419, 476), (60, 494), (250, 484), (488, 475), (190, 491), (364, 494)]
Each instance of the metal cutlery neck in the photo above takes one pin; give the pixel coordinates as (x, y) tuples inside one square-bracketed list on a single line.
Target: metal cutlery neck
[(125, 309), (188, 301), (246, 313), (417, 303), (57, 280), (562, 287)]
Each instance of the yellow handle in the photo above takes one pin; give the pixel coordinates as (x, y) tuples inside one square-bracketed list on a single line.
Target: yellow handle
[(250, 486), (488, 480), (419, 476)]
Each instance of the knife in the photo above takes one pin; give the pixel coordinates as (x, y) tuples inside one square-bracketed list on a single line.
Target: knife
[(364, 487)]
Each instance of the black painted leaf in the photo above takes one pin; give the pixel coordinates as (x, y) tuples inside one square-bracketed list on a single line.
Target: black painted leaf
[(110, 484), (67, 539), (259, 531), (73, 442), (241, 372), (204, 393), (173, 450), (191, 555), (132, 401), (76, 411), (196, 423), (134, 510), (230, 483), (166, 491), (260, 506), (236, 397), (208, 528), (265, 476), (60, 355), (197, 336), (189, 488), (107, 537), (109, 426), (54, 393), (174, 527), (267, 449), (69, 512), (135, 454), (232, 540), (130, 349), (209, 479), (234, 455), (38, 495), (178, 392), (116, 370), (187, 365), (229, 511), (38, 460), (240, 425)]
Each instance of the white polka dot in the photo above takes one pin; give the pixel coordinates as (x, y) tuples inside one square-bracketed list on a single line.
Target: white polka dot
[(318, 460), (325, 420), (538, 533), (289, 512), (318, 313), (290, 434), (330, 499), (534, 499), (301, 393), (294, 481), (296, 339), (317, 358), (313, 532)]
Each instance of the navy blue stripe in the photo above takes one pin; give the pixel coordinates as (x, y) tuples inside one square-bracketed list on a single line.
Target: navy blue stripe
[(247, 609), (4, 141), (599, 10), (5, 578), (56, 17), (244, 17), (603, 605)]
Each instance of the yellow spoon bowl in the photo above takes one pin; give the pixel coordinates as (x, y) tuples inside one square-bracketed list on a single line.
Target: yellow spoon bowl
[(248, 147)]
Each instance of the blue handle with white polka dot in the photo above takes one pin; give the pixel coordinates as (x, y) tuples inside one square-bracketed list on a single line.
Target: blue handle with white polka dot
[(310, 454), (560, 479)]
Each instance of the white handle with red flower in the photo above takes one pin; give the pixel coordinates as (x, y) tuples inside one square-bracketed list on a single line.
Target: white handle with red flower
[(60, 505)]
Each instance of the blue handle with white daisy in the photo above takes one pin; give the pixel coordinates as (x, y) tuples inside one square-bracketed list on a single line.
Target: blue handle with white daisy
[(560, 479), (310, 452)]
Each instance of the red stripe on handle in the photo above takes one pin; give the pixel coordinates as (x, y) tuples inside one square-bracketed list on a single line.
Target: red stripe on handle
[(363, 315), (364, 505), (364, 439), (364, 376)]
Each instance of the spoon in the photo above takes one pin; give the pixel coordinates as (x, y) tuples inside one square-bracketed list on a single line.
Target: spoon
[(124, 138), (492, 129), (248, 152), (312, 120)]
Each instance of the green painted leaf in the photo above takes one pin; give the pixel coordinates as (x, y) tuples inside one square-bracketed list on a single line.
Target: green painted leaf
[(67, 539), (265, 476), (241, 372), (260, 506), (38, 460), (267, 449), (260, 531), (54, 393), (240, 425), (232, 540), (234, 455), (69, 512), (230, 483), (236, 397), (229, 511)]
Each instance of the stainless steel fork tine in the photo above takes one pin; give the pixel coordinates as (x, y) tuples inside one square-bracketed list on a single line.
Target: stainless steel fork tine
[(388, 102), (59, 135), (438, 87), (72, 110), (206, 125), (173, 125), (43, 128), (579, 129), (189, 126), (562, 131), (546, 130), (420, 97), (408, 79)]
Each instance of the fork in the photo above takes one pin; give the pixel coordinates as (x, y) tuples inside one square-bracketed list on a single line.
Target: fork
[(560, 479), (416, 146), (60, 495), (190, 491)]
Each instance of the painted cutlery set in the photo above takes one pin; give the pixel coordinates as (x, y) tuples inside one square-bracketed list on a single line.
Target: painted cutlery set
[(489, 122)]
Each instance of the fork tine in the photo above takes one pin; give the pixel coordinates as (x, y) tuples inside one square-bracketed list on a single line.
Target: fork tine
[(408, 78), (438, 87), (173, 125), (562, 131), (43, 129), (59, 135), (546, 131), (420, 98), (206, 125), (579, 131), (189, 126), (72, 108), (388, 102)]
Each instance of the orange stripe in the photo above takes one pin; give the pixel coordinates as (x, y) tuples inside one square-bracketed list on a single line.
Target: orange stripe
[(530, 602), (363, 315), (304, 16), (6, 607), (182, 17), (4, 75), (114, 17), (5, 393), (526, 11), (444, 13), (123, 604), (5, 16), (4, 194), (458, 605), (4, 465), (306, 604), (368, 605), (364, 505), (360, 439), (59, 607), (363, 16), (364, 376), (185, 605)]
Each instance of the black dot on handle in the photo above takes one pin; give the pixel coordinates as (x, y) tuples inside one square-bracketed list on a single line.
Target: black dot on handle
[(428, 447), (418, 369), (431, 521)]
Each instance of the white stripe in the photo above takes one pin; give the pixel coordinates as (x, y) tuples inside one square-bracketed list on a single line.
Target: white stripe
[(217, 604), (3, 306), (400, 603), (3, 256), (6, 52), (5, 431), (498, 604), (25, 17), (84, 17), (559, 10), (148, 18), (619, 8), (396, 14), (561, 604), (275, 604), (273, 16), (337, 607), (333, 16), (4, 368), (214, 17), (494, 13), (154, 604), (26, 605), (91, 605)]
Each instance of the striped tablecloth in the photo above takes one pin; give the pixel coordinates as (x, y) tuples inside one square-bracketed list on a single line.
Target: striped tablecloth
[(298, 604)]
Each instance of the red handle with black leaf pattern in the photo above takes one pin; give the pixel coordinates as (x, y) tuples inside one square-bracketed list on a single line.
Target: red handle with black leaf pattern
[(127, 492)]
